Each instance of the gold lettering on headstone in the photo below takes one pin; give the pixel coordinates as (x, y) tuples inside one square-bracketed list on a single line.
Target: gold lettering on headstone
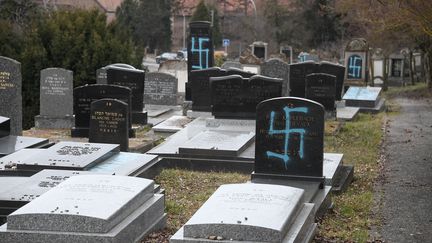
[(108, 122)]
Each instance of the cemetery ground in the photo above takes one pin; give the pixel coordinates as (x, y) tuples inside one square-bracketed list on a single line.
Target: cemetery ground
[(356, 214)]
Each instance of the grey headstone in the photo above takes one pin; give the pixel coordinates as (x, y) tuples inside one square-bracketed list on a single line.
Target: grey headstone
[(101, 76), (10, 93), (276, 68), (160, 89), (56, 92), (70, 155), (247, 212)]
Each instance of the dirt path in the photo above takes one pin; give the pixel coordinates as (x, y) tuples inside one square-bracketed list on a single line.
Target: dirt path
[(405, 191)]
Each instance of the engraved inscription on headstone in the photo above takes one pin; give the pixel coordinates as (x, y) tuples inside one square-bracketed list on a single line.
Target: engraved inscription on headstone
[(321, 87), (199, 81), (160, 89), (10, 93), (289, 137), (276, 68), (101, 76), (109, 121)]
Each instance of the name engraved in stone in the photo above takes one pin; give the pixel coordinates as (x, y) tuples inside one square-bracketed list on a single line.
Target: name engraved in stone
[(4, 80), (108, 121), (54, 85), (77, 150)]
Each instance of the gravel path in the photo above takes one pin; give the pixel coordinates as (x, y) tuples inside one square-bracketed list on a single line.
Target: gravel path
[(404, 192)]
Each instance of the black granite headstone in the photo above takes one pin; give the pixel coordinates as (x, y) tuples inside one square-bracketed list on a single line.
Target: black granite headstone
[(237, 71), (336, 70), (297, 74), (200, 46), (289, 137), (236, 97), (109, 119), (321, 87), (133, 79), (199, 81), (10, 93), (85, 95), (4, 126)]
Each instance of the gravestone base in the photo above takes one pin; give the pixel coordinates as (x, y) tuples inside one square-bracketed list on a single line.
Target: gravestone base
[(46, 122), (315, 190), (377, 109), (83, 132), (343, 179), (139, 118), (330, 115), (133, 228)]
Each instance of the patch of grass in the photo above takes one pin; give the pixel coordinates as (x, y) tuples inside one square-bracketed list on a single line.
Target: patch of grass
[(419, 90), (186, 191), (359, 141)]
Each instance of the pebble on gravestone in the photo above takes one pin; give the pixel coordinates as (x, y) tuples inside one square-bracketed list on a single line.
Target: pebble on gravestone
[(289, 137), (160, 89), (276, 68), (10, 93), (321, 87), (109, 119), (56, 99)]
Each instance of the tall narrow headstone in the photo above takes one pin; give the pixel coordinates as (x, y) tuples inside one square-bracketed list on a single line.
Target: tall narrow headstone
[(109, 119), (85, 95), (276, 68), (289, 137), (56, 99), (10, 93), (336, 70), (133, 79), (200, 46), (356, 62), (160, 89), (101, 76), (321, 87)]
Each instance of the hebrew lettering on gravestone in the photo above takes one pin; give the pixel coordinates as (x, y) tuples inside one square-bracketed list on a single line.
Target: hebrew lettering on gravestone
[(289, 137), (10, 93), (109, 123)]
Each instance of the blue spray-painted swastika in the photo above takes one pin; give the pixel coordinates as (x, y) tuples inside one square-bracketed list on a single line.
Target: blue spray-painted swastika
[(202, 63), (287, 131), (354, 66)]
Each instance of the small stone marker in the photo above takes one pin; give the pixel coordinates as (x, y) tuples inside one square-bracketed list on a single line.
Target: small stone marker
[(289, 137), (109, 123), (56, 99), (276, 68), (85, 95), (101, 76), (10, 93), (160, 89), (321, 87), (246, 213), (4, 126), (89, 208), (133, 79), (70, 156), (236, 97)]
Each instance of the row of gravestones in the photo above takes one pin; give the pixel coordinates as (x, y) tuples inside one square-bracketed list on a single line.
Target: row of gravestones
[(57, 108), (289, 145)]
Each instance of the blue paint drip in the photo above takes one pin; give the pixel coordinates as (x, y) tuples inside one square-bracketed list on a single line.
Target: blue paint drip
[(285, 157), (202, 63)]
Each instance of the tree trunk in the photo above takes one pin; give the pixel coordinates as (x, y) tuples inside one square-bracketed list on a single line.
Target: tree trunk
[(410, 64), (427, 67)]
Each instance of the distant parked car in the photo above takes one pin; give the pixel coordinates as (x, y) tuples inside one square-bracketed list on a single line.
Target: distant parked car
[(182, 54), (166, 56)]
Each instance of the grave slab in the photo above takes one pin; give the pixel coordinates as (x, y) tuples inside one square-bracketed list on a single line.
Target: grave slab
[(72, 212), (347, 113), (367, 97), (217, 143), (172, 124), (70, 156), (236, 213), (10, 144), (126, 164)]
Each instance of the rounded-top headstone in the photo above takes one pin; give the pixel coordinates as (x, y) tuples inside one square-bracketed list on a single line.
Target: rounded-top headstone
[(289, 137)]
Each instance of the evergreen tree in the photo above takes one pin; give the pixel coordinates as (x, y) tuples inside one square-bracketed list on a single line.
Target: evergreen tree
[(203, 13)]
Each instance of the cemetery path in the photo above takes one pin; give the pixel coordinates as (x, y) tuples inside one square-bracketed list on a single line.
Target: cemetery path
[(405, 188)]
